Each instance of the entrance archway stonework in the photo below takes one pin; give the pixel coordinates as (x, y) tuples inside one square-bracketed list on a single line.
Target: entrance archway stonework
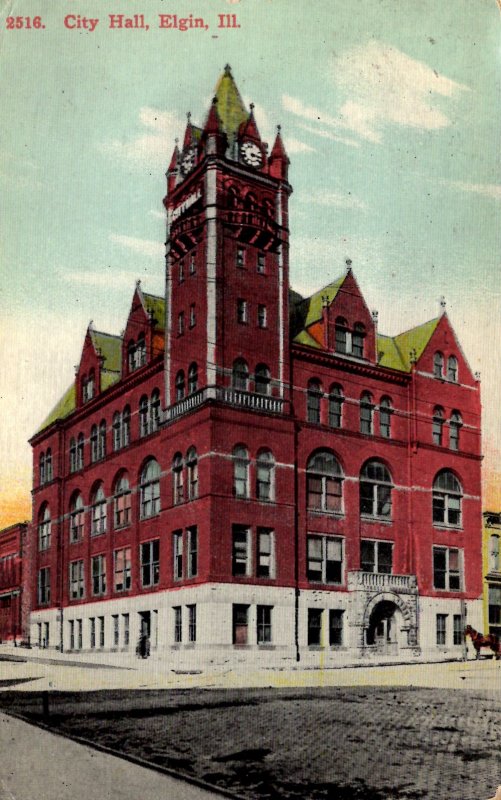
[(368, 591)]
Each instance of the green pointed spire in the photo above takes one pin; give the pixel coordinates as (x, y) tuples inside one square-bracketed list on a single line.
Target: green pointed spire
[(230, 106)]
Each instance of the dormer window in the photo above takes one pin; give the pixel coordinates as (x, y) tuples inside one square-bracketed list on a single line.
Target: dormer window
[(452, 369), (136, 353), (357, 340), (349, 342), (88, 387), (438, 365), (342, 335)]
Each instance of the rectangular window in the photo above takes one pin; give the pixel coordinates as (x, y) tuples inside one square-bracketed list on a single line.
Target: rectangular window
[(116, 630), (101, 631), (126, 629), (72, 634), (193, 267), (240, 624), (98, 574), (76, 524), (181, 271), (192, 315), (457, 631), (177, 539), (261, 263), (265, 551), (262, 320), (336, 627), (122, 509), (178, 624), (192, 551), (495, 606), (180, 323), (46, 638), (79, 634), (192, 623), (122, 569), (150, 563), (44, 534), (44, 586), (447, 568), (441, 629), (240, 257), (376, 556), (324, 559), (241, 551), (77, 586), (92, 632), (264, 624), (241, 311), (315, 627)]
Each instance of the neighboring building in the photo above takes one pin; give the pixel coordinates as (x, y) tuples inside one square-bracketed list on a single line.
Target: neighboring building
[(14, 603), (248, 472), (492, 572)]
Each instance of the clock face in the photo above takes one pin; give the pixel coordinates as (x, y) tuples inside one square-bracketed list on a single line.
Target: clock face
[(188, 162), (251, 154)]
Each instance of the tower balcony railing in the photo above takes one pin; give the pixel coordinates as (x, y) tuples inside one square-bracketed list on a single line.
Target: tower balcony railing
[(254, 219), (381, 581), (233, 397)]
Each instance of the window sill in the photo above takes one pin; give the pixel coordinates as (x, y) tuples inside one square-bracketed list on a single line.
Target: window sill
[(321, 512), (442, 526), (370, 518), (122, 527), (149, 516)]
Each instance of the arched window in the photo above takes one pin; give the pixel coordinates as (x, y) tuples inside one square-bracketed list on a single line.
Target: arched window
[(232, 197), (94, 442), (357, 340), (155, 410), (76, 518), (452, 369), (438, 365), (122, 501), (73, 455), (98, 512), (88, 388), (131, 356), (336, 400), (140, 351), (150, 489), (375, 490), (447, 494), (455, 424), (250, 202), (438, 425), (262, 379), (385, 412), (144, 411), (240, 375), (313, 400), (341, 335), (48, 465), (102, 439), (192, 378), (80, 451), (494, 559), (44, 527), (192, 466), (265, 474), (177, 479), (180, 386), (366, 414), (117, 431), (240, 471), (324, 482), (41, 468), (126, 426)]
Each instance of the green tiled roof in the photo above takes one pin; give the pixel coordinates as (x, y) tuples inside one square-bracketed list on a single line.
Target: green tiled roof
[(62, 409), (388, 354), (110, 347), (108, 379), (156, 307), (230, 106), (304, 338), (313, 304), (415, 339)]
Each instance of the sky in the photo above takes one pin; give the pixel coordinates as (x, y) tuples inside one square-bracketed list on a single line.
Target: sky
[(389, 112)]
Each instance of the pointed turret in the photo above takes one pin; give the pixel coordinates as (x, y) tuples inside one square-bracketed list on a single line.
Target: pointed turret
[(279, 160), (231, 108), (213, 137), (173, 169)]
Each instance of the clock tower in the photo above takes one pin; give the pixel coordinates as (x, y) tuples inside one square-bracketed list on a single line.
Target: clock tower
[(227, 261)]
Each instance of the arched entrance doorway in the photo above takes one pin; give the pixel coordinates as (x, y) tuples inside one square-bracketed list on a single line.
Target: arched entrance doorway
[(383, 631)]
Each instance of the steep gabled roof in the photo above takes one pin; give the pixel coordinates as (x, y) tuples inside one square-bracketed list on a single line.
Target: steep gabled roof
[(311, 307), (230, 106), (110, 348), (304, 337), (389, 354), (415, 339), (62, 409), (155, 306)]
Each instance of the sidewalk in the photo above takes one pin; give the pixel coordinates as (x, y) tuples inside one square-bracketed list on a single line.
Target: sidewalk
[(39, 764)]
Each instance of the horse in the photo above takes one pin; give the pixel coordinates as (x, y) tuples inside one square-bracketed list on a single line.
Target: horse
[(478, 640)]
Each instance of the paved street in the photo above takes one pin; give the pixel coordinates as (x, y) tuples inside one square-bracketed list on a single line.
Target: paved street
[(38, 765)]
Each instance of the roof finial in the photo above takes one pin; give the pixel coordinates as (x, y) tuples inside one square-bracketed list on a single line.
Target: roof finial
[(348, 263), (325, 300), (413, 356), (214, 101), (138, 283), (188, 117), (227, 69), (375, 316), (251, 106), (477, 376), (279, 128), (443, 302), (176, 141)]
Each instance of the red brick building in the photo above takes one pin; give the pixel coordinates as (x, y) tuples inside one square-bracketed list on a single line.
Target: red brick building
[(14, 586), (248, 471)]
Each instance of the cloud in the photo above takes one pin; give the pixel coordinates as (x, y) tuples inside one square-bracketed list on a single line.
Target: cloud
[(293, 145), (336, 199), (329, 135), (382, 86), (146, 247), (154, 144), (492, 190)]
